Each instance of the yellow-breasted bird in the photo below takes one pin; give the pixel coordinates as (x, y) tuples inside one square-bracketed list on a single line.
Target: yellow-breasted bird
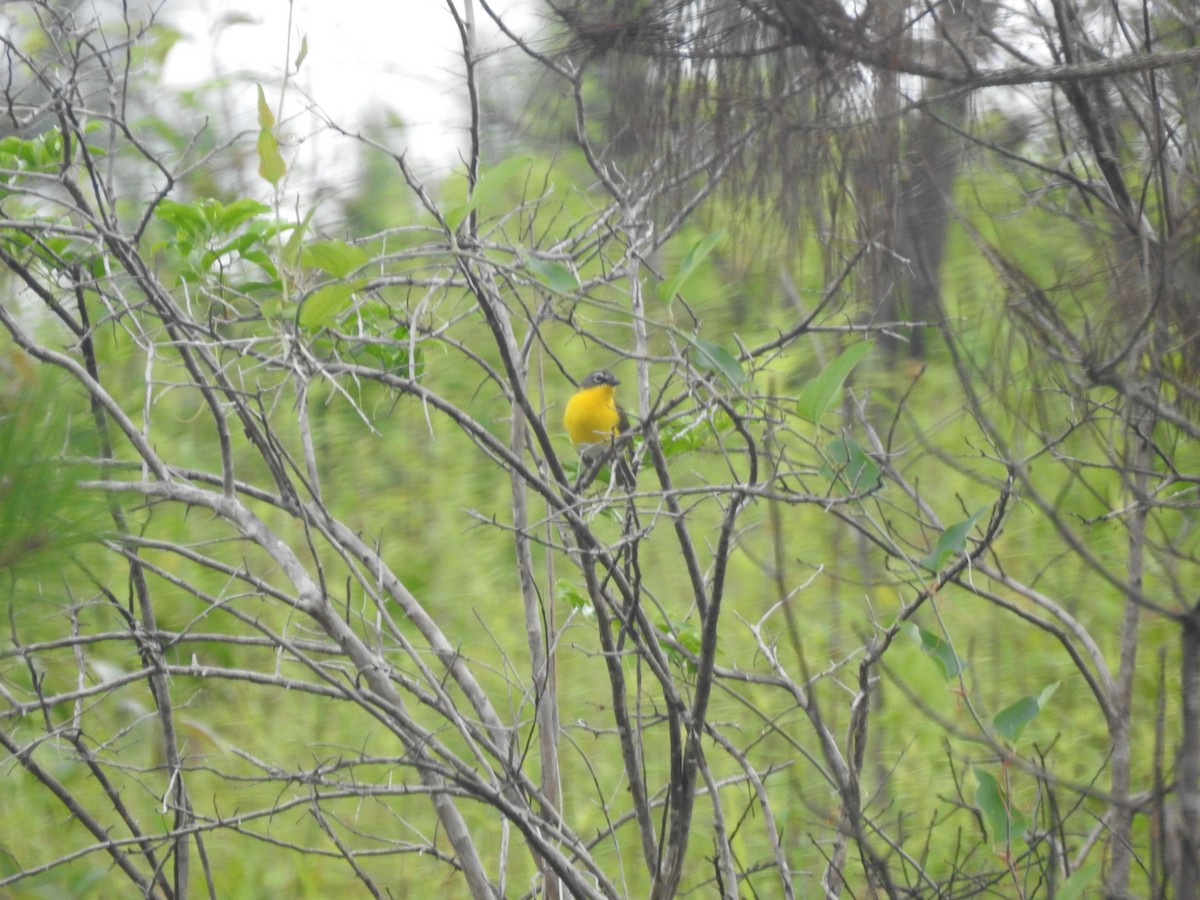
[(594, 420)]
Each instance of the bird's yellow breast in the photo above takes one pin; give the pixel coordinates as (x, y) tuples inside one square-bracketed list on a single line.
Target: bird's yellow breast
[(591, 416)]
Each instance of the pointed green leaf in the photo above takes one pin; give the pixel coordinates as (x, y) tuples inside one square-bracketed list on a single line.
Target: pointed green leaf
[(395, 356), (1047, 693), (274, 308), (263, 261), (851, 468), (691, 262), (295, 241), (940, 651), (1011, 721), (552, 274), (266, 118), (1080, 883), (952, 541), (491, 185), (337, 258), (257, 287), (566, 592), (239, 212), (819, 393), (322, 307), (212, 209), (271, 166), (162, 39), (1005, 824), (713, 357), (185, 217), (680, 437), (687, 637), (303, 54)]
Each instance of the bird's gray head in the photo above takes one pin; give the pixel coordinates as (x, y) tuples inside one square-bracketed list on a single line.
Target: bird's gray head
[(599, 377)]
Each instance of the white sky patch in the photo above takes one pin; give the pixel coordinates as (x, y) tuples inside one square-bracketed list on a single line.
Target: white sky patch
[(364, 58)]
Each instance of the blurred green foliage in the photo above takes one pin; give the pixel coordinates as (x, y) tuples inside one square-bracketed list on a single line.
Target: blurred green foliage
[(45, 444)]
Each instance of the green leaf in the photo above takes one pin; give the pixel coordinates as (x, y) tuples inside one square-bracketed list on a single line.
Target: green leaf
[(43, 153), (715, 358), (852, 468), (322, 307), (691, 262), (1079, 883), (274, 308), (238, 212), (266, 118), (952, 541), (295, 241), (682, 437), (185, 217), (257, 287), (243, 245), (818, 394), (565, 591), (212, 209), (207, 259), (44, 512), (162, 39), (300, 57), (337, 258), (491, 185), (687, 638), (1011, 721), (552, 274), (263, 261), (1005, 824), (271, 166), (938, 650), (395, 357)]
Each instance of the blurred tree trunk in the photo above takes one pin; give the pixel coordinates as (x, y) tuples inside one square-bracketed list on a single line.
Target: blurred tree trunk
[(1183, 837), (934, 162), (925, 163)]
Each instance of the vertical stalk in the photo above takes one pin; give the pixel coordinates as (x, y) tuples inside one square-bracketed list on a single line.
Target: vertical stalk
[(1184, 838), (541, 656), (1139, 426)]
